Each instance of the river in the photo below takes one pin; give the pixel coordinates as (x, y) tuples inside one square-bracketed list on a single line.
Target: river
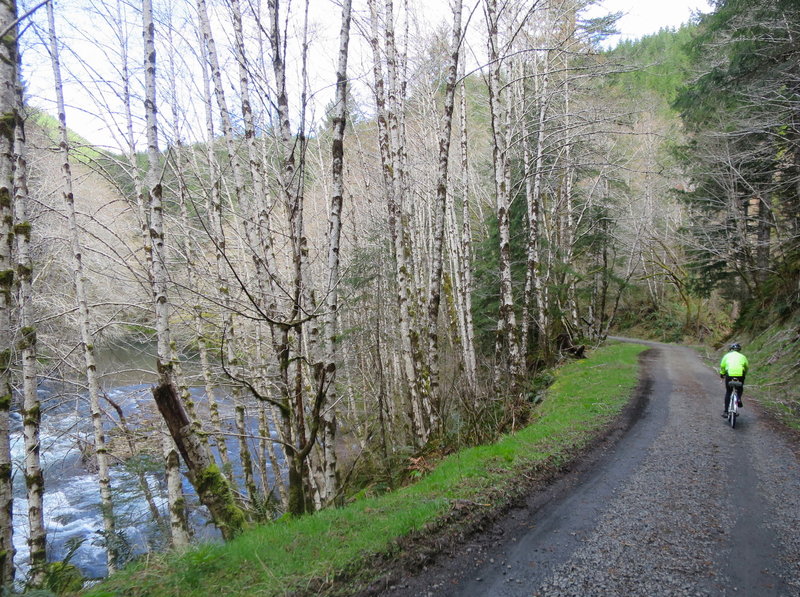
[(72, 501)]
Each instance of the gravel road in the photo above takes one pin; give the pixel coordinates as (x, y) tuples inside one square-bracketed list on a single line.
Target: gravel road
[(681, 505)]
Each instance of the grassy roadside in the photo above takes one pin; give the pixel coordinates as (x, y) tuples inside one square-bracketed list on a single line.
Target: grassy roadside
[(774, 376), (293, 554)]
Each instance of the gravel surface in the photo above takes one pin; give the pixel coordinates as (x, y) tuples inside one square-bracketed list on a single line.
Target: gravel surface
[(683, 505), (690, 521)]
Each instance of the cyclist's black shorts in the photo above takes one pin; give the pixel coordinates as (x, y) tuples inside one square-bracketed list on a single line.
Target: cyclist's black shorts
[(736, 383)]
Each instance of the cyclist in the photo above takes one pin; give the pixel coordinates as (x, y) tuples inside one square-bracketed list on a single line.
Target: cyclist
[(733, 367)]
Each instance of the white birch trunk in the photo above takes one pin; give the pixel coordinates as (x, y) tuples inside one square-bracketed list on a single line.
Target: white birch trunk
[(290, 178), (130, 140), (263, 232), (457, 264), (187, 244), (263, 252), (230, 331), (534, 287), (155, 203), (326, 372), (8, 104), (499, 113), (31, 407), (290, 345), (283, 491), (437, 266), (468, 341), (569, 241), (87, 341), (217, 234), (391, 166), (212, 487), (179, 533), (412, 248), (269, 422)]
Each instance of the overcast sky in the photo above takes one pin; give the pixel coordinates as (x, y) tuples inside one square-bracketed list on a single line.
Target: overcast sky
[(643, 17)]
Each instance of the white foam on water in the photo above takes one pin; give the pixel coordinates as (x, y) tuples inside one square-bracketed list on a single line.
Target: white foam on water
[(72, 495)]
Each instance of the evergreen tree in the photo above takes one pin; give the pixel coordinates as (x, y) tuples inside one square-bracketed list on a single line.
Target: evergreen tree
[(743, 113)]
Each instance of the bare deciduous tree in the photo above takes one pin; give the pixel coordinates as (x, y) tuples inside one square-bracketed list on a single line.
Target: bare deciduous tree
[(27, 345), (211, 485), (87, 342), (8, 118)]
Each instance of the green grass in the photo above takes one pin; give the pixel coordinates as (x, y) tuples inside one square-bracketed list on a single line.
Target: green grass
[(292, 553)]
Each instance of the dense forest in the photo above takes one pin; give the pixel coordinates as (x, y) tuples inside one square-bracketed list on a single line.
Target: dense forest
[(330, 246)]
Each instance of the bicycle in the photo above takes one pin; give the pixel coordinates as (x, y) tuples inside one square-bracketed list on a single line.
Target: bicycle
[(733, 408)]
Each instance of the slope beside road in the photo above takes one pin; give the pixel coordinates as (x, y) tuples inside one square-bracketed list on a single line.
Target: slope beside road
[(681, 505)]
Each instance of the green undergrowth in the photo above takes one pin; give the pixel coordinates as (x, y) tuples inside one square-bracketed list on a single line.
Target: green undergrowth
[(774, 376), (294, 554)]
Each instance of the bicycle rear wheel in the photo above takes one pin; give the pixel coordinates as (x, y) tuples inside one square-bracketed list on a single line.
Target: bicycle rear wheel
[(733, 410)]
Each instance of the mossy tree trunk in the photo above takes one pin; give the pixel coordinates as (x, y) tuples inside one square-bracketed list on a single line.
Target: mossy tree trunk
[(8, 117), (212, 487), (330, 485), (437, 265), (508, 362), (26, 344)]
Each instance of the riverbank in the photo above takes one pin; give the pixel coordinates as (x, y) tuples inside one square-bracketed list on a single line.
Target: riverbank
[(338, 551)]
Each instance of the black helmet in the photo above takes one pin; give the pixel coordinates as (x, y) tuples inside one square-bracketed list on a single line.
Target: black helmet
[(736, 346)]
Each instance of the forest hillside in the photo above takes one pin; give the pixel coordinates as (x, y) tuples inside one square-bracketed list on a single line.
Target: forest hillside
[(311, 260)]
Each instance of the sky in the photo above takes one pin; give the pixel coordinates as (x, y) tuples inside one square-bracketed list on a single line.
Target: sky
[(640, 17), (643, 17)]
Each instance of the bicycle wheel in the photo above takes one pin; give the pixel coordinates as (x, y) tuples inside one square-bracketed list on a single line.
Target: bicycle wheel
[(732, 410)]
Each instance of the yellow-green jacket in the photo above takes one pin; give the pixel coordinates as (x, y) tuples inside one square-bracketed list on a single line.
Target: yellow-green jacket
[(733, 364)]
